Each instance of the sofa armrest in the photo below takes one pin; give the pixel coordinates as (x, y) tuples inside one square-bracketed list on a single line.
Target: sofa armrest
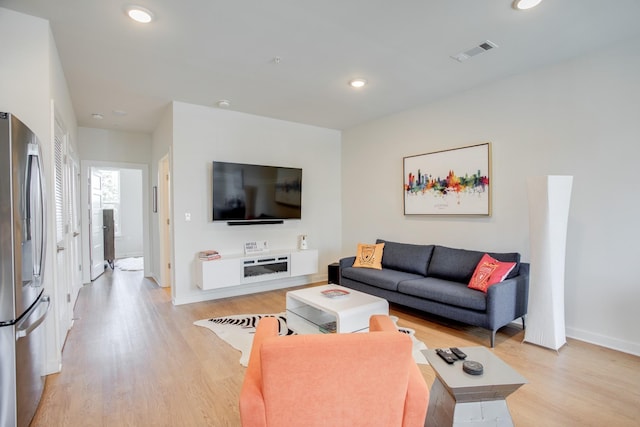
[(507, 300), (347, 262), (252, 409)]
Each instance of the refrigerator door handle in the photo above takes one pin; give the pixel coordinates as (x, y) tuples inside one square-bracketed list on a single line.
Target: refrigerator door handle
[(37, 212), (23, 332)]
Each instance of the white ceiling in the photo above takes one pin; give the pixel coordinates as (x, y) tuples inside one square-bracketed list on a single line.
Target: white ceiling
[(201, 51)]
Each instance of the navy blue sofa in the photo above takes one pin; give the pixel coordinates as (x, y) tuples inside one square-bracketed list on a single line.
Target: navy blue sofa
[(434, 279)]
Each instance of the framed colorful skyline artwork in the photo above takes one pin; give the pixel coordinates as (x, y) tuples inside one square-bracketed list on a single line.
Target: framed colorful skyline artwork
[(449, 182)]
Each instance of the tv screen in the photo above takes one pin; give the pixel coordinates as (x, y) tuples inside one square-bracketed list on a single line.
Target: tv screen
[(243, 192)]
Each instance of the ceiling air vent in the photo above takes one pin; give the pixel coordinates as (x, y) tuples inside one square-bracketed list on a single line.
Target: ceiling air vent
[(476, 50)]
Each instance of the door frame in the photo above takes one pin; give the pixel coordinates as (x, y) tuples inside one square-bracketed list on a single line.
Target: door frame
[(86, 166), (164, 222), (63, 306), (94, 190), (75, 230)]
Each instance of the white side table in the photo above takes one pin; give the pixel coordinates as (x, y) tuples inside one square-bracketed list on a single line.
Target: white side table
[(462, 400)]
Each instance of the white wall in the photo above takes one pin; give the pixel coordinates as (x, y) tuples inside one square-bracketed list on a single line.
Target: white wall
[(576, 118), (129, 242), (59, 93), (203, 134), (114, 146), (24, 71)]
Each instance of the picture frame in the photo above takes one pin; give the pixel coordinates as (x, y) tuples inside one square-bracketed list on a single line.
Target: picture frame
[(456, 181), (256, 247)]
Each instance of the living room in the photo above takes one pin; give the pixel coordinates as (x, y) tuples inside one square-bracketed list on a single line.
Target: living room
[(570, 118), (576, 116)]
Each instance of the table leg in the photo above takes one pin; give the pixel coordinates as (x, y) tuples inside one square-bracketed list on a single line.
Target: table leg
[(445, 411), (441, 406)]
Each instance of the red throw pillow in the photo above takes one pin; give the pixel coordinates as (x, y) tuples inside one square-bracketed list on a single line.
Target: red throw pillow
[(489, 271)]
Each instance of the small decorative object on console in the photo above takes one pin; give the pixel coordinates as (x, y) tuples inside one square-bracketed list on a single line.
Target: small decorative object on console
[(335, 293), (256, 247), (472, 368)]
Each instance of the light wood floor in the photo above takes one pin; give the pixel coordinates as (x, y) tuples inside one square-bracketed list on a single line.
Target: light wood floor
[(134, 359)]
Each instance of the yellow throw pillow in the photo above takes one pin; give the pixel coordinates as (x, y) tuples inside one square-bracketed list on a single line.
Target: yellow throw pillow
[(369, 256)]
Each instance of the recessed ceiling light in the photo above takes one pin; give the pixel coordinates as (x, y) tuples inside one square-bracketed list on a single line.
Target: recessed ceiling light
[(357, 83), (525, 4), (97, 116), (140, 14), (223, 103)]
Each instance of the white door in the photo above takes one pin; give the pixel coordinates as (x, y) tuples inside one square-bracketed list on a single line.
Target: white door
[(62, 292), (75, 246), (97, 234)]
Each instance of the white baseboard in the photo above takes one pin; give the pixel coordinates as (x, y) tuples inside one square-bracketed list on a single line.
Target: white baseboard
[(604, 341), (597, 339), (156, 279), (52, 366)]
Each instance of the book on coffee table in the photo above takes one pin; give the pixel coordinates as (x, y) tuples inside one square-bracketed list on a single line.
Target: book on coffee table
[(328, 328), (335, 293)]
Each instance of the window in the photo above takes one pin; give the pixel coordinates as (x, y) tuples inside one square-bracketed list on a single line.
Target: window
[(111, 195)]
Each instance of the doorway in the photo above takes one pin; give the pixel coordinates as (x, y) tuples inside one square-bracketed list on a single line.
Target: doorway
[(130, 208)]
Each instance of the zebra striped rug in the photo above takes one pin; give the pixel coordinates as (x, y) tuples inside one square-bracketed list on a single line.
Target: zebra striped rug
[(238, 330)]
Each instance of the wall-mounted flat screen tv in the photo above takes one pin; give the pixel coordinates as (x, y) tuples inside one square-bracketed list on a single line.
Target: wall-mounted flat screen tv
[(243, 192)]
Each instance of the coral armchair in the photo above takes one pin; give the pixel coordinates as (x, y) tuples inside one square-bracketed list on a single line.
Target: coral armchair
[(362, 379)]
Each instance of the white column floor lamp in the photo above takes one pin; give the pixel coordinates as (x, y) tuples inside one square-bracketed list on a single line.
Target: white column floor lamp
[(549, 199)]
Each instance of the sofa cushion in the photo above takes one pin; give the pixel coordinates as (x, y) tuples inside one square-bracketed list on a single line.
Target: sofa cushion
[(369, 256), (444, 291), (458, 265), (406, 257), (482, 274), (508, 257), (489, 271), (384, 279)]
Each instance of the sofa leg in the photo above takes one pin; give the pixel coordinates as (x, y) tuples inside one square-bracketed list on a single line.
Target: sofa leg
[(493, 338), (523, 326)]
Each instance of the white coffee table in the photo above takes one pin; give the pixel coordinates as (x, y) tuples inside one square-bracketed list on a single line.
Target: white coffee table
[(308, 309)]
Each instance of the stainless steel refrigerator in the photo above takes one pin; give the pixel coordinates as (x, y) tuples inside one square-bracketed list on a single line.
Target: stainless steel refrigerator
[(23, 305)]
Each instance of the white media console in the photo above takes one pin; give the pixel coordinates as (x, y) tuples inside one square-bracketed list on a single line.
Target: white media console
[(235, 270)]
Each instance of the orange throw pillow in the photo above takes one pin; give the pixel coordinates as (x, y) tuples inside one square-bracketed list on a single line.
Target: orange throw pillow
[(489, 271), (369, 256)]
